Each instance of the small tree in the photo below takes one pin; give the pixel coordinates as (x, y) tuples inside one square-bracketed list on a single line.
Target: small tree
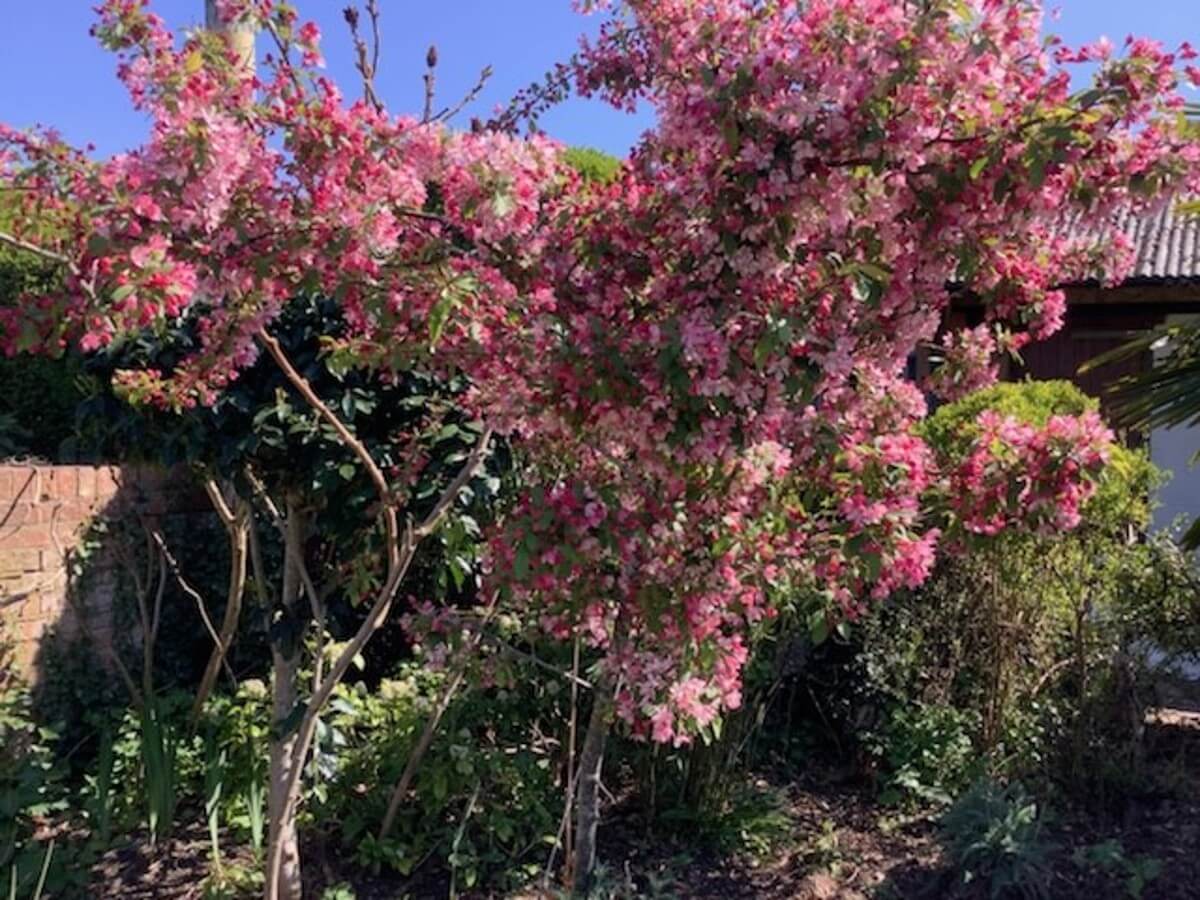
[(728, 431), (248, 196)]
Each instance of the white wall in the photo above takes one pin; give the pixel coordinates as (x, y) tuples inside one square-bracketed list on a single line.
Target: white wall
[(1172, 449)]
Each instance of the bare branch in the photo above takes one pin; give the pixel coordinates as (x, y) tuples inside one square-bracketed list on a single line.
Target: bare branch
[(20, 244), (315, 598), (187, 588), (400, 791), (373, 12), (367, 60), (431, 59), (300, 383), (431, 521), (220, 504), (470, 97)]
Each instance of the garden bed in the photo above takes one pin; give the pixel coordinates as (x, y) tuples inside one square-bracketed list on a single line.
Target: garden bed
[(822, 836)]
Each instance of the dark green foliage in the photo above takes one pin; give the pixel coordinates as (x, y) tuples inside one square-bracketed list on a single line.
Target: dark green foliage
[(31, 791), (927, 752), (994, 835), (38, 395), (261, 422), (1110, 857), (487, 799), (750, 818)]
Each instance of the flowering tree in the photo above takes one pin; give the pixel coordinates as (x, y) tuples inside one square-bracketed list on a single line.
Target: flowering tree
[(703, 357), (725, 430), (253, 194)]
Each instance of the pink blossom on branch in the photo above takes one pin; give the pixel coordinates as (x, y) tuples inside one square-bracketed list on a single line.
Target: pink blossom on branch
[(757, 276)]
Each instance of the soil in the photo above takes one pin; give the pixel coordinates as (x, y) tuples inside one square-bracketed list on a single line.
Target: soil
[(840, 845)]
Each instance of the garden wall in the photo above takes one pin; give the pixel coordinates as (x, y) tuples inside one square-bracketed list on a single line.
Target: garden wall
[(45, 513)]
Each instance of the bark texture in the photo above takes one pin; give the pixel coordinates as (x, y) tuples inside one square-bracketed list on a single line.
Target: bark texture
[(283, 852)]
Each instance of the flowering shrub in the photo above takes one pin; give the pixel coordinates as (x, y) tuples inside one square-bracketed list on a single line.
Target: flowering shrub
[(714, 338), (1020, 655), (251, 193)]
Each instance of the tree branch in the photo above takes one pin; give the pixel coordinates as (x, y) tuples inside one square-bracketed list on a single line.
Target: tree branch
[(300, 383), (450, 112), (187, 588), (21, 244), (367, 61)]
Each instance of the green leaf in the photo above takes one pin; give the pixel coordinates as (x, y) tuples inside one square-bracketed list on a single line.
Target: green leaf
[(818, 627), (521, 562)]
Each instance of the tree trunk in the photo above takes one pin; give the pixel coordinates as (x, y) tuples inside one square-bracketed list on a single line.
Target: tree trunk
[(240, 36), (286, 643), (587, 800)]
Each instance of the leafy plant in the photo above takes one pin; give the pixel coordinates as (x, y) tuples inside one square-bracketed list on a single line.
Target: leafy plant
[(38, 396), (994, 835), (1109, 856), (592, 165), (31, 794), (233, 881), (752, 819), (100, 784), (240, 741), (159, 745), (216, 772), (928, 752), (41, 880), (484, 802)]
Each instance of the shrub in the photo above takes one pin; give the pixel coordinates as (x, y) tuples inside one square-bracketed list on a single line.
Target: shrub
[(928, 752), (1123, 497), (1022, 653), (38, 395), (487, 796), (592, 165)]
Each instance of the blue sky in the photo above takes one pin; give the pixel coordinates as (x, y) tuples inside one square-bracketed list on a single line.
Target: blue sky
[(53, 73)]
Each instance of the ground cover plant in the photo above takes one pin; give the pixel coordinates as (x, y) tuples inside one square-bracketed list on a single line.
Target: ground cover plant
[(692, 363)]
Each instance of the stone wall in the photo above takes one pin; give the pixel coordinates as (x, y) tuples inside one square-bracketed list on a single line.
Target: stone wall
[(45, 514)]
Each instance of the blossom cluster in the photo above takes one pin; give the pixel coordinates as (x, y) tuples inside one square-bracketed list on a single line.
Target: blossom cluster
[(251, 191), (1021, 476)]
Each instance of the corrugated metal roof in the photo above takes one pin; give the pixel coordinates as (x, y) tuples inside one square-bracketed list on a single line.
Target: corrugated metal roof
[(1166, 243)]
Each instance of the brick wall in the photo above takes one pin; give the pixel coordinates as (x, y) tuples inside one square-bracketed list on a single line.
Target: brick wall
[(45, 512)]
